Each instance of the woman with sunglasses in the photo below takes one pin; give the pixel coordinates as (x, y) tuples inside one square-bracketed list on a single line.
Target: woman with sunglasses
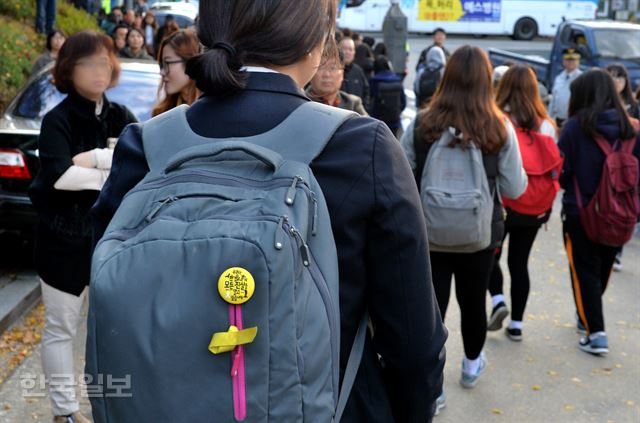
[(175, 87)]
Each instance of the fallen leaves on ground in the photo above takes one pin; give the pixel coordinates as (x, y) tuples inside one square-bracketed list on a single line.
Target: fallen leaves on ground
[(18, 342)]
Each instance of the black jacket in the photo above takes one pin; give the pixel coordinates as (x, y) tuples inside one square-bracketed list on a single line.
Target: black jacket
[(380, 235), (356, 82), (364, 59), (63, 243)]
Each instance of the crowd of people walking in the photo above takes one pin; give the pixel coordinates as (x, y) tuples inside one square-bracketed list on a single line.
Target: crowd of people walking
[(410, 208)]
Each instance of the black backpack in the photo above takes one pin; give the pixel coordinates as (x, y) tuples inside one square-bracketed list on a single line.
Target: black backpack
[(388, 101), (428, 83)]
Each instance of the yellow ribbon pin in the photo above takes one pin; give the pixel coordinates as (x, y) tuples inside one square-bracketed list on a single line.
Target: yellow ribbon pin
[(222, 342)]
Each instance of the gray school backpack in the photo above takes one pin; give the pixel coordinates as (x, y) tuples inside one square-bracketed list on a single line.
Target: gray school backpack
[(457, 199), (214, 291)]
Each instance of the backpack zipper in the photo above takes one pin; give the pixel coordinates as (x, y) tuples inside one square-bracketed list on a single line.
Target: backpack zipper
[(227, 180), (238, 377), (172, 199)]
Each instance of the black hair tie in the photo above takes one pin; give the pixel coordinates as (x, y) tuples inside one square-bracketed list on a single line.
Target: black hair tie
[(226, 47)]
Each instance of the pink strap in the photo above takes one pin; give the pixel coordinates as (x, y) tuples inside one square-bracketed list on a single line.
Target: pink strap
[(604, 145)]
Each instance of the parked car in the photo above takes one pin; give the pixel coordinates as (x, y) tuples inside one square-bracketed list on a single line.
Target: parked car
[(599, 42), (20, 127), (184, 13)]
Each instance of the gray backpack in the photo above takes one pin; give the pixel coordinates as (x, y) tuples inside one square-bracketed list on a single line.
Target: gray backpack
[(214, 291), (457, 200)]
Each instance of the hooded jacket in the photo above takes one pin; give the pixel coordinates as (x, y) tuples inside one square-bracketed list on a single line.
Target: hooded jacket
[(584, 160)]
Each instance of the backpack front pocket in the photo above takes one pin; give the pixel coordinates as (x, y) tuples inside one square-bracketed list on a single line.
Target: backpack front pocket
[(453, 219)]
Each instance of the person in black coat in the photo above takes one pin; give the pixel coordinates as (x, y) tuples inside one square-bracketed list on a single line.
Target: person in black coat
[(374, 206), (439, 37), (355, 81), (75, 161), (364, 59)]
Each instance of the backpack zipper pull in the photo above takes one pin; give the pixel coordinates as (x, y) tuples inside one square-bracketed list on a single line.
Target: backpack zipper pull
[(314, 220), (279, 241), (159, 207), (291, 192), (304, 248)]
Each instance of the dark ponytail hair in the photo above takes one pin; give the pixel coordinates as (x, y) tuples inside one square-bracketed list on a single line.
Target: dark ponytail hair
[(248, 32), (592, 93)]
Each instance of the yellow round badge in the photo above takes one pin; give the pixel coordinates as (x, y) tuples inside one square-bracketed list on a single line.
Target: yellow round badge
[(236, 285)]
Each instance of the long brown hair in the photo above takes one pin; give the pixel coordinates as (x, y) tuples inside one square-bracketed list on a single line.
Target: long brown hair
[(618, 70), (518, 95), (464, 100), (186, 45), (154, 25)]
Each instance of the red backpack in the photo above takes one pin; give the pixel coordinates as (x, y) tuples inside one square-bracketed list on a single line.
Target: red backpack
[(542, 162), (611, 216)]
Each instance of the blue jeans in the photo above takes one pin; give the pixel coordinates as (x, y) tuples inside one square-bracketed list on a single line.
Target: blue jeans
[(45, 15)]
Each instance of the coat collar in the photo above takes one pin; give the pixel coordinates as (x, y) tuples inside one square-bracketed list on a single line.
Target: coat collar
[(274, 82), (85, 108)]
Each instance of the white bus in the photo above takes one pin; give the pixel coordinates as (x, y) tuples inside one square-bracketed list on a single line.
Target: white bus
[(521, 19)]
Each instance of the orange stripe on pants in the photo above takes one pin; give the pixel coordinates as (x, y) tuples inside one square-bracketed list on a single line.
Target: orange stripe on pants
[(576, 283)]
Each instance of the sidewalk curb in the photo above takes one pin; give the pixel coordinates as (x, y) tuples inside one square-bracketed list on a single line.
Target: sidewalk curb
[(24, 297)]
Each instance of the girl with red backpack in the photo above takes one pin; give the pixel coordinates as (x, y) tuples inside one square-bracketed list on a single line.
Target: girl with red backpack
[(600, 206), (518, 96)]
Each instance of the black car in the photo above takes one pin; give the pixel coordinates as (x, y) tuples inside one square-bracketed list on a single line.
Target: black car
[(20, 127)]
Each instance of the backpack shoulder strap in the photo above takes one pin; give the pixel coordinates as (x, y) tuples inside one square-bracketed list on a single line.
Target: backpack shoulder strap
[(172, 126), (422, 151), (300, 137), (353, 364), (604, 145), (628, 146), (304, 134)]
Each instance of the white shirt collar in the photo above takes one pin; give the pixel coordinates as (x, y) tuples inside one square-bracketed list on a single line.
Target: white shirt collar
[(260, 69), (99, 105), (572, 73)]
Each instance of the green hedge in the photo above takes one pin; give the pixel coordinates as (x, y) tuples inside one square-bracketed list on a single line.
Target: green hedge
[(68, 18), (19, 48), (72, 20), (18, 9)]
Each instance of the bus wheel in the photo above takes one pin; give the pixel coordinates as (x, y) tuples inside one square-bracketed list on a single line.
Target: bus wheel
[(525, 29)]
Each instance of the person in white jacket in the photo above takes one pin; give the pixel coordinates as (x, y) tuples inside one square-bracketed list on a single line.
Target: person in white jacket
[(561, 93)]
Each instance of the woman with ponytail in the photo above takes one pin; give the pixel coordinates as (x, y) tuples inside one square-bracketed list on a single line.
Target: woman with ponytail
[(258, 57)]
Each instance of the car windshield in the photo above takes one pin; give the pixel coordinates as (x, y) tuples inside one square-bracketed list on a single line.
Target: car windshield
[(136, 90), (618, 44)]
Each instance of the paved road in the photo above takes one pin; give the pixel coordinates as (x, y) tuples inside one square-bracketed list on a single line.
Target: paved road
[(543, 379)]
